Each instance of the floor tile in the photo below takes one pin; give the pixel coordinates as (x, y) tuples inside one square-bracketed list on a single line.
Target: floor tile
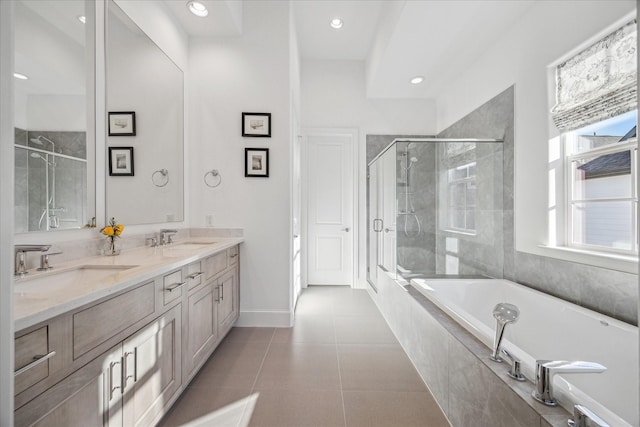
[(195, 404), (363, 330), (392, 409), (233, 364), (339, 365), (299, 366), (278, 408), (377, 367), (250, 335), (308, 329), (353, 302)]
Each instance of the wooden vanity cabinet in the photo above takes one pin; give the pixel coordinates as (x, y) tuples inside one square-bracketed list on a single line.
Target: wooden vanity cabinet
[(228, 300), (212, 309), (123, 360), (131, 384)]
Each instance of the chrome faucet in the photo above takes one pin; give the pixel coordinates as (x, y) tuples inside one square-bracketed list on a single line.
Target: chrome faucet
[(547, 369), (165, 236), (514, 372), (21, 256), (583, 417)]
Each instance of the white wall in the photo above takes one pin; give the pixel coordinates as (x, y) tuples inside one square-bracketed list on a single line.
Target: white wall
[(231, 75), (547, 32), (6, 213), (333, 96)]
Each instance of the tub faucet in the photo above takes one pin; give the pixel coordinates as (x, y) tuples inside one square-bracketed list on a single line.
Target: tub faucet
[(514, 372), (21, 256), (547, 369), (583, 417), (504, 313)]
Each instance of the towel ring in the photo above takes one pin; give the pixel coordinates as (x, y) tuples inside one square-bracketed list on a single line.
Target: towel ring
[(213, 173), (160, 178)]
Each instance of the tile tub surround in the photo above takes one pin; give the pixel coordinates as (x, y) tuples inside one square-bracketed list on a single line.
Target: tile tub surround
[(469, 388)]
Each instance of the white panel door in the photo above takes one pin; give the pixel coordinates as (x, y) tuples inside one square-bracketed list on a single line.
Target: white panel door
[(330, 208)]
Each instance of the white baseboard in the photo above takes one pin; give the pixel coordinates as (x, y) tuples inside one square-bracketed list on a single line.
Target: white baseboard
[(265, 318)]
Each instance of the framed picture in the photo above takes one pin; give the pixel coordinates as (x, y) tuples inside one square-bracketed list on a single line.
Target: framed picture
[(120, 161), (256, 162), (256, 125), (122, 123)]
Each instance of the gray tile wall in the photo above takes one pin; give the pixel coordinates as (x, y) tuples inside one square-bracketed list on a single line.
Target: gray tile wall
[(606, 291), (70, 180)]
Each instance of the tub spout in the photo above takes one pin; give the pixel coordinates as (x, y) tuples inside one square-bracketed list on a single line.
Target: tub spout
[(503, 313), (547, 369)]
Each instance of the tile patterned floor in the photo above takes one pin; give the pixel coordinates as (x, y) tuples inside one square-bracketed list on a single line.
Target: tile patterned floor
[(340, 365)]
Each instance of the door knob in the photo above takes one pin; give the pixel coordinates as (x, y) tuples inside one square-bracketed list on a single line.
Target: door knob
[(347, 229)]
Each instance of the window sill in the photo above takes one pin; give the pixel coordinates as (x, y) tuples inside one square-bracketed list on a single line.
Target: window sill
[(626, 263)]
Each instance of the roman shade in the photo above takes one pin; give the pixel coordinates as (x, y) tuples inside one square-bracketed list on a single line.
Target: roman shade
[(599, 82)]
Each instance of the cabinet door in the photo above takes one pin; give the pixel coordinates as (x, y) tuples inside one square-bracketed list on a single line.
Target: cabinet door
[(202, 330), (91, 396), (227, 300), (152, 369)]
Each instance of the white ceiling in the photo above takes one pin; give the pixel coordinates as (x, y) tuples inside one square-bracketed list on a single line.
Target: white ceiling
[(398, 39)]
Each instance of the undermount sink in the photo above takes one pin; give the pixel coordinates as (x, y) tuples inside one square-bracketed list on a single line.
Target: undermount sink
[(192, 245), (87, 277), (184, 248)]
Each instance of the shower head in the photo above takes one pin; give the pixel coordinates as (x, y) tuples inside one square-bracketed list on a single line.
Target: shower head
[(506, 313), (39, 156), (411, 162), (41, 139)]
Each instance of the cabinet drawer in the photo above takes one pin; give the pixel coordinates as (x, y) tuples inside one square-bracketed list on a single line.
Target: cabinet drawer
[(215, 264), (232, 254), (94, 325), (29, 349), (194, 275), (172, 286)]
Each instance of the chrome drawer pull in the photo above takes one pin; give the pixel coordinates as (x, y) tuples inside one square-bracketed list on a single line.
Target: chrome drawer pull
[(112, 387), (36, 361), (175, 286), (195, 275)]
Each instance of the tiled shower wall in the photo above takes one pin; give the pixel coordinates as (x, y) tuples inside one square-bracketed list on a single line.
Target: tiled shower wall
[(607, 291), (70, 178)]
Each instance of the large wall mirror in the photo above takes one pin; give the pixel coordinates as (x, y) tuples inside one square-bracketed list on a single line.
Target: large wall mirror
[(54, 115), (145, 127)]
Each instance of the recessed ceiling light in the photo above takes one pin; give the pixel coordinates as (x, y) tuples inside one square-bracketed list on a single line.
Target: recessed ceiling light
[(20, 76), (82, 19), (336, 23), (197, 8), (417, 80)]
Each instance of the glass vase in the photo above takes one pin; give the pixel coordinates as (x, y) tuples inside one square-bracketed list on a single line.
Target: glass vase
[(111, 247)]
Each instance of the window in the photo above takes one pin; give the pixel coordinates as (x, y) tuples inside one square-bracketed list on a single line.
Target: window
[(596, 114), (601, 185), (462, 197)]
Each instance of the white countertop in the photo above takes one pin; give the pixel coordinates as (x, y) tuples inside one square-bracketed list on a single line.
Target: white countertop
[(38, 297)]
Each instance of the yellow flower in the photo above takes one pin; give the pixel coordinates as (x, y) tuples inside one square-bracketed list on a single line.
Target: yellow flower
[(108, 231), (119, 228)]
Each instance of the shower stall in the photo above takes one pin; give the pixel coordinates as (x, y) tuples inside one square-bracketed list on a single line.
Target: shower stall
[(50, 187), (436, 209)]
